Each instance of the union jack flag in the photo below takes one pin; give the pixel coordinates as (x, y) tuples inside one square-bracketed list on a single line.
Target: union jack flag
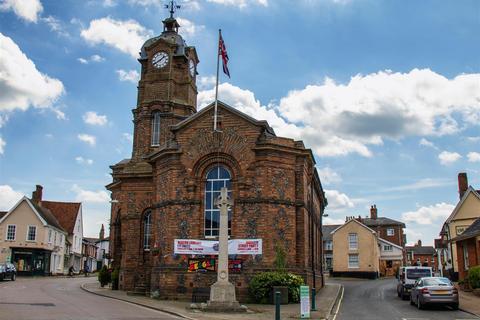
[(222, 50)]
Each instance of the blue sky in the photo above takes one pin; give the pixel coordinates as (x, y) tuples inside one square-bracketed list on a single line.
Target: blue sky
[(386, 93)]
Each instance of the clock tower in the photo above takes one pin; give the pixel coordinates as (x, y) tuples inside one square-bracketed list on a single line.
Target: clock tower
[(167, 92)]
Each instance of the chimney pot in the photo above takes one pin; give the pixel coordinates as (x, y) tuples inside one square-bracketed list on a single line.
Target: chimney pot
[(373, 212), (462, 184), (37, 194)]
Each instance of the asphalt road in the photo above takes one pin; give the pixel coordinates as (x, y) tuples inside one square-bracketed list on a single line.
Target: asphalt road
[(377, 299), (61, 298)]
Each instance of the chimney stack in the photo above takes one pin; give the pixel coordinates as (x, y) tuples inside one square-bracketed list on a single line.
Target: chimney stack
[(102, 233), (37, 194), (462, 184), (419, 243), (373, 212)]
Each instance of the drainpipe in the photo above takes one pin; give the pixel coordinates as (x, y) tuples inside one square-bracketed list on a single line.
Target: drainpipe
[(312, 240)]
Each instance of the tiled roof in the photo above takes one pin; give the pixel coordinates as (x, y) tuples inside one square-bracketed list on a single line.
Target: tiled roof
[(421, 249), (327, 228), (92, 240), (381, 221), (47, 215), (2, 213), (65, 212), (472, 231)]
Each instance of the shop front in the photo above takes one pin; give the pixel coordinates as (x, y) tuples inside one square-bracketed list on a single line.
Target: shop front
[(31, 262)]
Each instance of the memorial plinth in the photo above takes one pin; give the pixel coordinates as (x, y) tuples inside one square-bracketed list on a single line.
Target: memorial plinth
[(222, 292)]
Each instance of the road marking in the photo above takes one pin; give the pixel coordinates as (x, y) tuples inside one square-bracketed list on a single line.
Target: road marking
[(339, 303)]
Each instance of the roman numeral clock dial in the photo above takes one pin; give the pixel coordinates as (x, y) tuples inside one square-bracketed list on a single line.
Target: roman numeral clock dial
[(160, 59)]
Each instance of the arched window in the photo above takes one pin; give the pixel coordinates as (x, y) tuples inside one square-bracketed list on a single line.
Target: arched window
[(147, 226), (156, 129), (217, 178)]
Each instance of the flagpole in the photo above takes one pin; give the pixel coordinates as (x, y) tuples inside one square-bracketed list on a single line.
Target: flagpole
[(216, 86)]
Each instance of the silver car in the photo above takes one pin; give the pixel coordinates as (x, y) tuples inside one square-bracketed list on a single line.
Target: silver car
[(434, 290)]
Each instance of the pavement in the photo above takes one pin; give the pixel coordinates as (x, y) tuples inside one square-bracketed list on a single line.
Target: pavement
[(58, 298), (325, 302), (469, 302), (377, 300)]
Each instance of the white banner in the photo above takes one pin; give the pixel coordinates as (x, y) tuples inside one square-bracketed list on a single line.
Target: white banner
[(210, 247)]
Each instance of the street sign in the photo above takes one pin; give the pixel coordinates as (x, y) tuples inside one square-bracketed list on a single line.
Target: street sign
[(305, 302)]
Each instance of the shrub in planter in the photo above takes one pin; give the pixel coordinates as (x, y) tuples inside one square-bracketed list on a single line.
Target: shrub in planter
[(261, 285), (115, 278), (104, 276), (474, 277)]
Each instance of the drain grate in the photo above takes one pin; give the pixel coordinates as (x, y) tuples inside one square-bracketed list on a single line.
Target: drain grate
[(40, 304)]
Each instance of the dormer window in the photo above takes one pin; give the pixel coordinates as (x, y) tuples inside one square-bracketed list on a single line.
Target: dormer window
[(156, 129)]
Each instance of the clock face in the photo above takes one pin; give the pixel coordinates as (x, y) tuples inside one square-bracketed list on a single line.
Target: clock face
[(191, 67), (160, 59)]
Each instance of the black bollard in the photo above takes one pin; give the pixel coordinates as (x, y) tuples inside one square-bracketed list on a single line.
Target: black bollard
[(278, 299), (314, 304)]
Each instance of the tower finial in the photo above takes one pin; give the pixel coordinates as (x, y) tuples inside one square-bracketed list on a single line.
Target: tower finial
[(172, 7)]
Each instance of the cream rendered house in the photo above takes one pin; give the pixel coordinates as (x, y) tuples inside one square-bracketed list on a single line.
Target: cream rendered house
[(357, 251), (32, 239), (463, 215)]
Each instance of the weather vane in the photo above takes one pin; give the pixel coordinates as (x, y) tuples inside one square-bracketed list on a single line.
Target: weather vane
[(172, 6)]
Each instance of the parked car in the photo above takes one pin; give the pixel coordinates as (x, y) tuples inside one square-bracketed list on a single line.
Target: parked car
[(8, 271), (407, 277), (434, 290)]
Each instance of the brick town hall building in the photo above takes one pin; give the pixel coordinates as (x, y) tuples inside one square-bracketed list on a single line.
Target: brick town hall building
[(178, 165)]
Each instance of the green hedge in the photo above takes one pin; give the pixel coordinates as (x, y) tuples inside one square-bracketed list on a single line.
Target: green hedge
[(104, 276), (474, 277), (260, 286)]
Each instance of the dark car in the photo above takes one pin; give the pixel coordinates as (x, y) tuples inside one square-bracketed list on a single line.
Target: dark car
[(8, 271), (434, 290)]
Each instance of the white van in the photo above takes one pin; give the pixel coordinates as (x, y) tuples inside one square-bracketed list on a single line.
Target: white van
[(407, 277)]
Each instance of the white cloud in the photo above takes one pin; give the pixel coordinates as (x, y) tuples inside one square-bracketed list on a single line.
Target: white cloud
[(206, 82), (413, 236), (189, 29), (328, 176), (426, 143), (91, 117), (429, 214), (8, 197), (55, 25), (473, 139), (447, 157), (20, 90), (99, 196), (127, 36), (473, 157), (131, 75), (91, 140), (329, 220), (109, 3), (93, 58), (245, 101), (381, 105), (127, 136), (185, 4), (365, 111), (82, 160), (240, 3), (420, 184), (28, 10), (337, 200), (2, 145)]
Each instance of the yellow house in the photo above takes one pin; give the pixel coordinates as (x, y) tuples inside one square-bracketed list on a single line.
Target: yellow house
[(463, 215), (32, 239), (356, 251)]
